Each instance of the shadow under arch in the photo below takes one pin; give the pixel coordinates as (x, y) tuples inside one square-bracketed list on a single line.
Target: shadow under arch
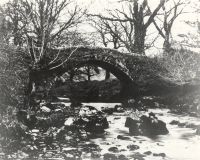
[(128, 87)]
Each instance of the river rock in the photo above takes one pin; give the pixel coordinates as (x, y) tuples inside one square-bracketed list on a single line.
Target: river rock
[(182, 124), (133, 147), (95, 155), (191, 125), (109, 156), (174, 122), (45, 109), (69, 121), (122, 157), (35, 130), (91, 120), (193, 114), (151, 126), (198, 130), (113, 149), (123, 137), (118, 108), (138, 156), (148, 152), (129, 122), (48, 155), (22, 155), (133, 126), (159, 155), (87, 111), (107, 110), (147, 125)]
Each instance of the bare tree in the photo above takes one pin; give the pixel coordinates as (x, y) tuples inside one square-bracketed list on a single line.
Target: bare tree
[(89, 71), (11, 26), (134, 23), (110, 34), (192, 39), (47, 20), (43, 22), (169, 16)]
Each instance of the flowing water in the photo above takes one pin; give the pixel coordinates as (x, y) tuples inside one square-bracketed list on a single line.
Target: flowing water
[(180, 144)]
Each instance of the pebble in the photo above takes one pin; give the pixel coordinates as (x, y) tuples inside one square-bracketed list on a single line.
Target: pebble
[(123, 137), (45, 109), (122, 157), (148, 152), (198, 130), (113, 149), (133, 147), (35, 130), (138, 156), (95, 154), (109, 156), (48, 155), (174, 122), (69, 121), (159, 154)]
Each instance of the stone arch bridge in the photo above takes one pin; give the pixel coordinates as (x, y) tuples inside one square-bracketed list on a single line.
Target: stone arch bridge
[(138, 75)]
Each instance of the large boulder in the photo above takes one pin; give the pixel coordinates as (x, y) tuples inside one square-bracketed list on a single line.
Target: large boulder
[(152, 126), (146, 125), (89, 119), (133, 126)]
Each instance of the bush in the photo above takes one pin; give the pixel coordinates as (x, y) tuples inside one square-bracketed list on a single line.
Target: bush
[(13, 82), (183, 65), (13, 76)]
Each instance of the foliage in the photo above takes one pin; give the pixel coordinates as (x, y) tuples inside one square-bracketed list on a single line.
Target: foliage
[(13, 73), (40, 24), (182, 64)]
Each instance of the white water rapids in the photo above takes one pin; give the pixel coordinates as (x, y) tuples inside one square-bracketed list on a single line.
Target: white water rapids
[(180, 144)]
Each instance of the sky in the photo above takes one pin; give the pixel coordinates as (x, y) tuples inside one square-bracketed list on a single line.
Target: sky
[(101, 6), (179, 26)]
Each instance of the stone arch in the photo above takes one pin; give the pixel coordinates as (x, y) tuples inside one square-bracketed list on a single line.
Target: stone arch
[(108, 59), (123, 77)]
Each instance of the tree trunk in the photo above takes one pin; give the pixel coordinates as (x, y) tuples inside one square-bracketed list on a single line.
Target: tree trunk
[(71, 74), (88, 73), (167, 49), (28, 101), (139, 40), (107, 75)]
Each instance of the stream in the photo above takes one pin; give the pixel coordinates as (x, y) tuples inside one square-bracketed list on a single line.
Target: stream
[(181, 143)]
